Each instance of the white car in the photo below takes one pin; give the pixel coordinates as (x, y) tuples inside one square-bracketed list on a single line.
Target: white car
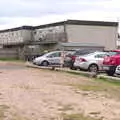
[(51, 58), (91, 62), (117, 71)]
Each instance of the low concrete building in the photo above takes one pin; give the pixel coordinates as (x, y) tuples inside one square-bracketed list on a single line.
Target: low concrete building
[(70, 34), (118, 41)]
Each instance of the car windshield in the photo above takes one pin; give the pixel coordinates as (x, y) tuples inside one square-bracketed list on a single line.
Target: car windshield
[(113, 53), (69, 53), (96, 53), (83, 52)]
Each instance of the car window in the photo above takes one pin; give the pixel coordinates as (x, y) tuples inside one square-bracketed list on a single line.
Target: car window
[(69, 53), (113, 53), (100, 55), (83, 52), (57, 54)]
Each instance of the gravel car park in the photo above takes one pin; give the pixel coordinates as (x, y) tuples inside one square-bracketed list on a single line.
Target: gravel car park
[(39, 94)]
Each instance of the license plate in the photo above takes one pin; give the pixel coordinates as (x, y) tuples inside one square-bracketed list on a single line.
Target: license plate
[(105, 68)]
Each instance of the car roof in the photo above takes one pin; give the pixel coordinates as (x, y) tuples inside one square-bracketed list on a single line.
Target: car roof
[(115, 50), (96, 52), (52, 52)]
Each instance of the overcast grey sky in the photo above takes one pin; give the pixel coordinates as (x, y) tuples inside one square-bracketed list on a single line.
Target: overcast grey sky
[(15, 13)]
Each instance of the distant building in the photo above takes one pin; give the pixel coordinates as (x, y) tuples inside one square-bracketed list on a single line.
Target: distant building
[(70, 34)]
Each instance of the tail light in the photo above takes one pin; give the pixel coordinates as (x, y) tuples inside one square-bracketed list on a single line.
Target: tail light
[(83, 60)]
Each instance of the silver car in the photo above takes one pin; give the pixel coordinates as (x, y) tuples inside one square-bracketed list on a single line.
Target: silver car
[(91, 62), (117, 71), (51, 58)]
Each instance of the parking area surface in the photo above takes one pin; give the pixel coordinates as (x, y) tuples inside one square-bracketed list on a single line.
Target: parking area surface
[(34, 94)]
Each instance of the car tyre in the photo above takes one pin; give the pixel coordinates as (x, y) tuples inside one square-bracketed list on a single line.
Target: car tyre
[(110, 73), (45, 63), (93, 68), (73, 68)]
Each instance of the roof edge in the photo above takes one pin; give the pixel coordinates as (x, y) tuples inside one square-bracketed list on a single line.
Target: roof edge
[(94, 23), (17, 28), (69, 22)]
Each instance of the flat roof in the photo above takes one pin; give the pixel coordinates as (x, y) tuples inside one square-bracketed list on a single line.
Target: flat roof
[(17, 28), (79, 22), (69, 22), (74, 44)]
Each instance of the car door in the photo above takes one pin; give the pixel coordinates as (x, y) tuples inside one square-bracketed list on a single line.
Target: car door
[(99, 58), (54, 58)]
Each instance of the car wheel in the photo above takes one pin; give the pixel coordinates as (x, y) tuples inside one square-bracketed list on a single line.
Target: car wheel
[(93, 68), (110, 73), (73, 68), (45, 63)]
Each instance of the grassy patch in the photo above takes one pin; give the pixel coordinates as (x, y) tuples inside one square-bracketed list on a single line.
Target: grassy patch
[(78, 73), (10, 59), (89, 87), (26, 87), (78, 117), (109, 81), (102, 79), (18, 117), (109, 89)]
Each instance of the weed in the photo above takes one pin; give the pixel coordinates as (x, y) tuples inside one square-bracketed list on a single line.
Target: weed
[(66, 108), (78, 117), (3, 109)]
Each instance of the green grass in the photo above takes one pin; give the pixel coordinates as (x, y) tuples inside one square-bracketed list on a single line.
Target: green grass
[(78, 73), (108, 89), (11, 59), (109, 81), (103, 80), (78, 117)]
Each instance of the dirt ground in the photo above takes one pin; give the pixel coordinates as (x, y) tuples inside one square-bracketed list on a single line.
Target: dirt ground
[(34, 94)]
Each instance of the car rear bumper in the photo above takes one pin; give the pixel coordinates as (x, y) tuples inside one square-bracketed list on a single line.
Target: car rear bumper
[(109, 67), (81, 65)]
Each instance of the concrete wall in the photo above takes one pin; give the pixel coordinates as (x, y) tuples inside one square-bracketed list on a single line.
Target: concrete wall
[(16, 37), (118, 42), (27, 35), (100, 35), (50, 34), (83, 47), (11, 37), (8, 53)]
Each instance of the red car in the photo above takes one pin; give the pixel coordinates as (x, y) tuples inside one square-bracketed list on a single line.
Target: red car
[(111, 62)]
